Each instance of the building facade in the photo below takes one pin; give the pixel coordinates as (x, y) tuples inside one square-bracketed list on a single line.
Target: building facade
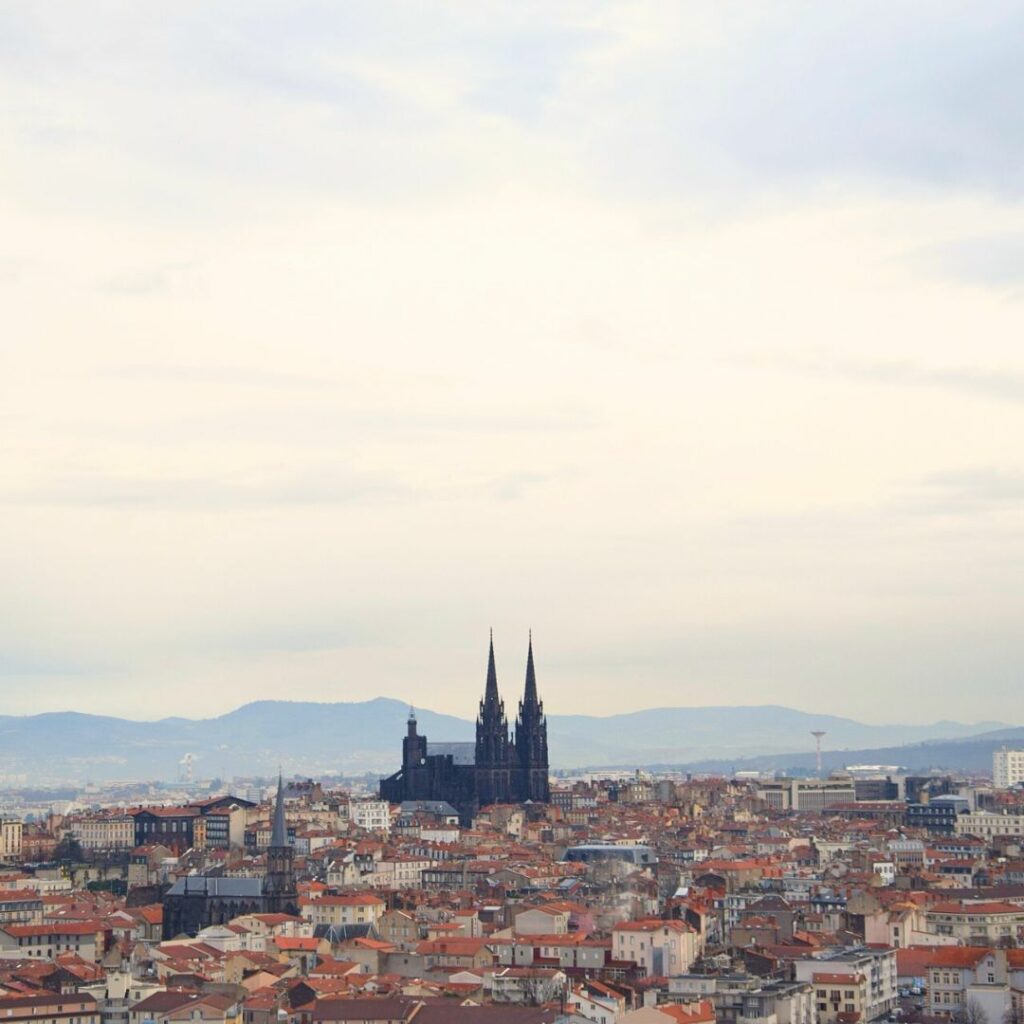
[(1007, 768), (500, 767), (11, 830)]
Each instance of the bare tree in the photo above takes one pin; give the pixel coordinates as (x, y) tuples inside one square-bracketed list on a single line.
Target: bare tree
[(971, 1012)]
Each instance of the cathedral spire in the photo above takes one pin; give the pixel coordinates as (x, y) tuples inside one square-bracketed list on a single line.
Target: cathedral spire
[(530, 694), (279, 833), (491, 698)]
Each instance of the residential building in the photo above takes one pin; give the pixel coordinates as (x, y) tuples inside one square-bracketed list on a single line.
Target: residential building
[(105, 831), (977, 922), (1007, 768), (351, 908), (748, 998), (11, 830), (988, 825), (657, 947), (863, 976), (49, 1008), (372, 815)]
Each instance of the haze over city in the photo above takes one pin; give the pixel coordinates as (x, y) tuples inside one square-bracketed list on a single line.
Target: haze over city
[(687, 335)]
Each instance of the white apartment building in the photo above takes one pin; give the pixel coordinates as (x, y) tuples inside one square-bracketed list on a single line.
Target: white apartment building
[(372, 815), (1007, 768)]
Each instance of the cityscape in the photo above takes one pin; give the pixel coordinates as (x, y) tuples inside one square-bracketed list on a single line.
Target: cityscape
[(473, 883), (511, 512)]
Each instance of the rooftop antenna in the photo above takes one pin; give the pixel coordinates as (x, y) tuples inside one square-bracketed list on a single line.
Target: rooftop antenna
[(817, 734)]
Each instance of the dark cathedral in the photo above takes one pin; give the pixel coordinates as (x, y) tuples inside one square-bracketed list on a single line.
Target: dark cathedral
[(497, 768)]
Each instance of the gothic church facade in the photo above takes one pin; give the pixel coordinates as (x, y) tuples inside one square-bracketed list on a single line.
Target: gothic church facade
[(500, 767)]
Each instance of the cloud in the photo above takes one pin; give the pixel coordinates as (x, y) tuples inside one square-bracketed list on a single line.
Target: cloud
[(998, 384), (976, 490), (167, 492), (230, 376), (314, 488), (151, 279), (800, 94), (988, 261), (692, 101)]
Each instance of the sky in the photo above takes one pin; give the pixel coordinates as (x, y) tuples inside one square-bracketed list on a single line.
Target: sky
[(688, 335)]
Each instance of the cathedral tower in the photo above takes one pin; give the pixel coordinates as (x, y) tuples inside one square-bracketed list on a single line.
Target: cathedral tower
[(532, 741), (494, 755)]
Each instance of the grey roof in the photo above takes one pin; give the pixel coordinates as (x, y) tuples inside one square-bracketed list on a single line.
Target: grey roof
[(208, 885), (461, 753), (439, 807)]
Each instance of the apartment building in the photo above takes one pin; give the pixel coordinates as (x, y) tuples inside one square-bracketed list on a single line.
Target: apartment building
[(372, 815), (748, 998), (657, 947), (988, 824), (20, 906), (864, 977), (353, 908), (89, 939), (49, 1008), (962, 976), (1007, 768), (105, 831), (977, 922), (808, 795), (11, 830)]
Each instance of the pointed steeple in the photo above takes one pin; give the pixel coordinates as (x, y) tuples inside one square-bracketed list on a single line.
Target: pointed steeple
[(279, 833), (530, 694), (491, 698)]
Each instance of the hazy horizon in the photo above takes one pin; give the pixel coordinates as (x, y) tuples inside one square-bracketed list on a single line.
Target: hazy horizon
[(686, 335), (510, 700)]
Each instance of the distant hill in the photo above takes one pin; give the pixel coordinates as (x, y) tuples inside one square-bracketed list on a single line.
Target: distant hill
[(366, 736), (973, 754)]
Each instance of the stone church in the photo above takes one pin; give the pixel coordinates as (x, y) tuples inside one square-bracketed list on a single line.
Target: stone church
[(196, 901)]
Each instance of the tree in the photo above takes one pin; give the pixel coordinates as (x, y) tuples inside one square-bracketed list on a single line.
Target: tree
[(69, 849), (971, 1012)]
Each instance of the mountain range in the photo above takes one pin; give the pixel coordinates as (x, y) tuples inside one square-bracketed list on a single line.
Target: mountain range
[(365, 736)]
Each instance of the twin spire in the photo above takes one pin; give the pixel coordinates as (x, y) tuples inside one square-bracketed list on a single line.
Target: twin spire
[(492, 707)]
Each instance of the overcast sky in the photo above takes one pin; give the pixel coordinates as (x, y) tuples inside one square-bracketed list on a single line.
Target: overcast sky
[(687, 334)]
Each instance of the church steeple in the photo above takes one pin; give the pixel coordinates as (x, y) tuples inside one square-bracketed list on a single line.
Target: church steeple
[(279, 833), (491, 699), (493, 748), (279, 886), (530, 699), (532, 738), (491, 719)]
